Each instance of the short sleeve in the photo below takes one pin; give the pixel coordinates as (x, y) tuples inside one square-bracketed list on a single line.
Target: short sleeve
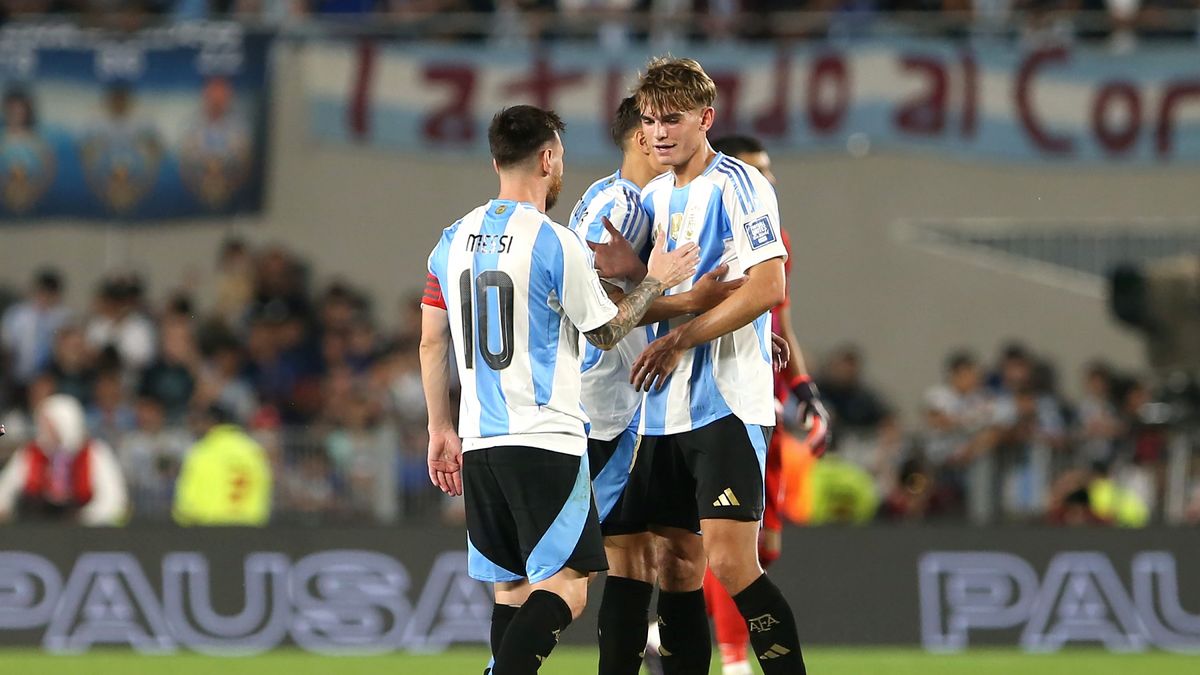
[(754, 220), (433, 293), (580, 294), (625, 212), (439, 258)]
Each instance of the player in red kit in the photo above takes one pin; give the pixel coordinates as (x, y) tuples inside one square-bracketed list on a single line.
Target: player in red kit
[(793, 380)]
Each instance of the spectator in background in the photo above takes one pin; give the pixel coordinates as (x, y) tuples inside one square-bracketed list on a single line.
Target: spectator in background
[(867, 432), (960, 434), (20, 421), (71, 364), (855, 406), (220, 379), (110, 415), (364, 453), (234, 283), (225, 478), (171, 378), (1098, 424), (27, 328), (119, 324), (151, 456), (609, 19), (1032, 432), (63, 474)]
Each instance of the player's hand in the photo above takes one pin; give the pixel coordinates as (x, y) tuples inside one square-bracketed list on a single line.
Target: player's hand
[(812, 415), (445, 461), (709, 291), (781, 352), (656, 363), (673, 267), (615, 258)]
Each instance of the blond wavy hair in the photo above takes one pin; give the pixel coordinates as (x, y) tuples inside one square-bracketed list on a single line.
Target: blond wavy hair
[(674, 85)]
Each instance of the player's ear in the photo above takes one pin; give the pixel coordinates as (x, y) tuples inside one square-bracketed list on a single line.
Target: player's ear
[(639, 137), (706, 118), (495, 166)]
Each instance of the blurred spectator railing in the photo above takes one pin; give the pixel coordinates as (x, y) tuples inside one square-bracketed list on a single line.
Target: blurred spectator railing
[(614, 27)]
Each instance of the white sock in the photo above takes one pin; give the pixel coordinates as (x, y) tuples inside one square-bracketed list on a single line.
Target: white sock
[(737, 668), (652, 638)]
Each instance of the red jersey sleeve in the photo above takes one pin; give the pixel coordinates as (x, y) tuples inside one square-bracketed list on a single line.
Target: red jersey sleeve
[(433, 293)]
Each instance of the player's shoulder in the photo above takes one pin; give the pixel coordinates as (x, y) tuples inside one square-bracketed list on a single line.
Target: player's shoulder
[(663, 181), (748, 186), (601, 187)]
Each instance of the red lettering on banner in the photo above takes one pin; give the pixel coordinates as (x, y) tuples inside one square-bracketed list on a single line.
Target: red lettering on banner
[(358, 114), (1125, 95), (970, 113), (773, 122), (925, 113), (828, 71), (729, 89), (1043, 139), (543, 82), (453, 122), (1176, 93)]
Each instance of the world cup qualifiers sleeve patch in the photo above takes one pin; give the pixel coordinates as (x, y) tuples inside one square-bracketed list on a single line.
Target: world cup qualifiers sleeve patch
[(760, 232)]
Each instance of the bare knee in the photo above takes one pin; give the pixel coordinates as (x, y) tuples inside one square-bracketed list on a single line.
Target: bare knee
[(570, 586), (680, 561), (631, 556), (732, 552)]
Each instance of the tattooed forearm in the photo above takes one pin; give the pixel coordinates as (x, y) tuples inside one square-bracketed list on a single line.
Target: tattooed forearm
[(629, 312)]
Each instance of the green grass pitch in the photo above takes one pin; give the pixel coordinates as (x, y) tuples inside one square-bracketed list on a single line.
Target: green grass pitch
[(582, 661)]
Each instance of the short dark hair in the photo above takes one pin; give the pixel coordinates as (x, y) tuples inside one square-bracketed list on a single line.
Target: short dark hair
[(48, 280), (627, 119), (960, 359), (516, 133), (735, 144)]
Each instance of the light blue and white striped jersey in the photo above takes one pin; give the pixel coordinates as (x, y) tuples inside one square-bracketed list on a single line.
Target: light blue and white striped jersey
[(610, 400), (731, 213), (519, 290)]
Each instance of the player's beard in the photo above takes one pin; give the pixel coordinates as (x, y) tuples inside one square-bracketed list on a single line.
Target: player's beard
[(556, 184)]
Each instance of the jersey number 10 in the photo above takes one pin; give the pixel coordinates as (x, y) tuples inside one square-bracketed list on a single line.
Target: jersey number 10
[(486, 281)]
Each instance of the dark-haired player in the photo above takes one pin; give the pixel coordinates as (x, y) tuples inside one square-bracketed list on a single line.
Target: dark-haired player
[(513, 290)]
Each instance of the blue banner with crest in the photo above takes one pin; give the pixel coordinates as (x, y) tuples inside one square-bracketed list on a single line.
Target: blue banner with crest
[(157, 124)]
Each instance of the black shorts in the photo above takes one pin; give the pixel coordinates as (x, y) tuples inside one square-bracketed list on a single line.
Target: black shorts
[(715, 471), (619, 475), (530, 513)]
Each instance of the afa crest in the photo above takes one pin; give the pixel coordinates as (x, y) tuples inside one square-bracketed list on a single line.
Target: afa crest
[(122, 165)]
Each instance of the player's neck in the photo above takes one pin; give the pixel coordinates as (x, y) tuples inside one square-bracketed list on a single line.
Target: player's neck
[(523, 191), (636, 170), (688, 172)]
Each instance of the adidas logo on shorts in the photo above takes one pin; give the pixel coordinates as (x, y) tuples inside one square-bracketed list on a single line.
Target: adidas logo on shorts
[(774, 652), (727, 499)]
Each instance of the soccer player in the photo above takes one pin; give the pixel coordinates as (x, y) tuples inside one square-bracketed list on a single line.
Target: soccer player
[(732, 638), (513, 290), (611, 402), (708, 380)]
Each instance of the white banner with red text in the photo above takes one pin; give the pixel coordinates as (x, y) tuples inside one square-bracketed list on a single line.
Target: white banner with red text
[(1054, 105)]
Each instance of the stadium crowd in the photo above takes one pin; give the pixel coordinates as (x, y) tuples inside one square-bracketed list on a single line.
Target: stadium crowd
[(617, 22), (334, 398)]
